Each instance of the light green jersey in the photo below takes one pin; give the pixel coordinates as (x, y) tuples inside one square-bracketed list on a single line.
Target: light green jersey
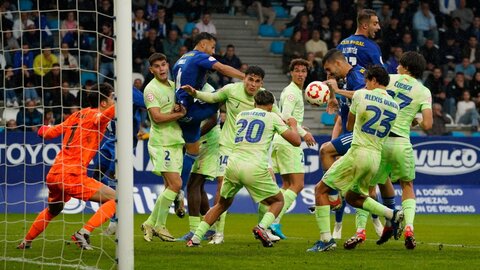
[(254, 131), (412, 97), (236, 100), (291, 105), (375, 112), (158, 95)]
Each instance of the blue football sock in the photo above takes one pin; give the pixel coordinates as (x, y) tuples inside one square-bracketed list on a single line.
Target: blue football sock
[(389, 202), (188, 161), (339, 212)]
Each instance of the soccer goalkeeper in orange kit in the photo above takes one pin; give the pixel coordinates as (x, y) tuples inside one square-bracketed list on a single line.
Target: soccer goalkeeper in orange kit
[(82, 133)]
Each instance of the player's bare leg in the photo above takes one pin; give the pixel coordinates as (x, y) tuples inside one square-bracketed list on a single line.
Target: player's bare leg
[(192, 151), (220, 224), (388, 198), (194, 198), (275, 205)]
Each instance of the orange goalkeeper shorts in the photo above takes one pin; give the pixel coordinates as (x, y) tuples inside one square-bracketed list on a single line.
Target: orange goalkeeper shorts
[(62, 187)]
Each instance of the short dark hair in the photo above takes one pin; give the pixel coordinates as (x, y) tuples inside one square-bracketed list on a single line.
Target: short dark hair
[(379, 73), (156, 57), (299, 62), (255, 70), (414, 63), (364, 15), (203, 35), (99, 93), (332, 55), (230, 46), (264, 97)]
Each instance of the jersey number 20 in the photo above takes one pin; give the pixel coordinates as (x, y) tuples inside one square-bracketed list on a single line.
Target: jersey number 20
[(249, 137)]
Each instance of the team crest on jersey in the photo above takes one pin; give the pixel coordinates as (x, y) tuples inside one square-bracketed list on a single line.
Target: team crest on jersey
[(211, 58), (290, 97), (150, 97)]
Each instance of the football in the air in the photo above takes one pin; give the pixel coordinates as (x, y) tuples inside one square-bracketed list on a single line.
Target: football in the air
[(317, 93)]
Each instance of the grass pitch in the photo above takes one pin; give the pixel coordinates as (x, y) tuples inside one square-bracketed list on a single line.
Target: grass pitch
[(444, 242)]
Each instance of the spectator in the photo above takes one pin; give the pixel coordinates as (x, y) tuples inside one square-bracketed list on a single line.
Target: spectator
[(466, 68), (348, 28), (162, 24), (385, 15), (336, 39), (457, 32), (12, 126), (407, 42), (316, 46), (105, 14), (392, 63), (467, 113), (23, 61), (229, 59), (335, 14), (68, 64), (206, 25), (451, 54), (446, 7), (312, 14), (183, 50), (11, 83), (137, 83), (294, 48), (21, 24), (314, 71), (30, 117), (68, 99), (30, 93), (151, 10), (440, 119), (189, 42), (472, 50), (69, 27), (86, 58), (49, 118), (191, 8), (475, 86), (41, 23), (424, 24), (464, 13), (474, 29), (9, 42), (42, 64), (305, 28), (392, 34), (404, 15), (453, 92), (139, 24), (262, 9), (106, 47), (431, 54), (31, 36), (147, 46), (243, 68), (325, 29), (171, 47), (436, 83), (51, 83)]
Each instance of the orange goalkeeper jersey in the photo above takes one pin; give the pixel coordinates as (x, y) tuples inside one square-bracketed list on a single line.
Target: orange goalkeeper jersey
[(83, 131)]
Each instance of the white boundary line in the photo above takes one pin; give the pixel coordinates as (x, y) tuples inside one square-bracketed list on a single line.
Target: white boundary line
[(24, 260)]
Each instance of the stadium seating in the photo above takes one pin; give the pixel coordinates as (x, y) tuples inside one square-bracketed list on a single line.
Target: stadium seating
[(288, 32), (266, 30), (277, 47), (458, 134), (85, 76), (280, 12), (415, 134), (25, 5), (476, 134), (327, 119), (188, 28)]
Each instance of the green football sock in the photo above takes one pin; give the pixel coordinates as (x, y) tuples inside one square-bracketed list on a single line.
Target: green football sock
[(289, 197), (267, 220), (201, 229), (361, 218), (193, 222), (409, 206), (377, 208), (152, 219), (220, 224), (166, 199), (262, 209), (322, 215)]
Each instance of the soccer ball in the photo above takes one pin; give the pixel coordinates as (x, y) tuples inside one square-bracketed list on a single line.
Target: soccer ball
[(317, 93)]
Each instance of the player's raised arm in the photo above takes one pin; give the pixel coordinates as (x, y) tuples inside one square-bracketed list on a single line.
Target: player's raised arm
[(291, 135), (351, 121), (228, 71), (427, 119)]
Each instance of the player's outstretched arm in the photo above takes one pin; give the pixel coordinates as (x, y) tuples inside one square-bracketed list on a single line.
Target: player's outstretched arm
[(333, 86), (208, 97), (291, 135), (228, 71), (209, 124), (158, 117)]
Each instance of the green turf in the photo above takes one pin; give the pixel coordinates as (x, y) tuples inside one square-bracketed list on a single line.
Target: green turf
[(459, 234)]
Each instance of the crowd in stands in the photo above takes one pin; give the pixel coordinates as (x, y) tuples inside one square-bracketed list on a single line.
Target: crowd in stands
[(50, 51)]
